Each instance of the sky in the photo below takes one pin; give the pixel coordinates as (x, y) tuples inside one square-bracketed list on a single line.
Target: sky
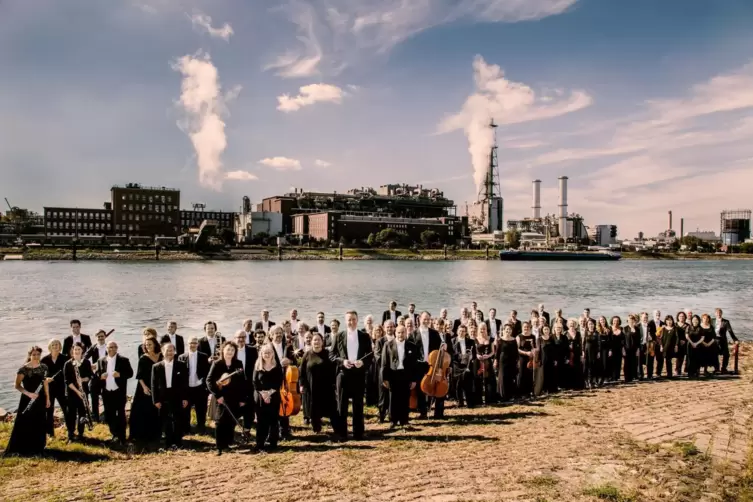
[(646, 105)]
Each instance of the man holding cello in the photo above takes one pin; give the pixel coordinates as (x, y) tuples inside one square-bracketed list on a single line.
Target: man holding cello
[(427, 340), (352, 353)]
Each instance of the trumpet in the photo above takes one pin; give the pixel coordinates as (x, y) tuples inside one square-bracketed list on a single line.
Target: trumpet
[(84, 397)]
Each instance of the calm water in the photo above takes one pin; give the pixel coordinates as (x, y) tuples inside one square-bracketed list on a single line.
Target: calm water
[(38, 299)]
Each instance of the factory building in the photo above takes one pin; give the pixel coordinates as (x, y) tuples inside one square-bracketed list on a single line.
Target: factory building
[(332, 226), (604, 235), (735, 226), (78, 222), (145, 211), (193, 219)]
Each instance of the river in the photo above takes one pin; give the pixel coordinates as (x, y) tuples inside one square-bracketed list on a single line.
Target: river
[(38, 299)]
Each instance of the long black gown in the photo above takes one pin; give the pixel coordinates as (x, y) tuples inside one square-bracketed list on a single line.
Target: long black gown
[(618, 345), (525, 374), (507, 368), (144, 421), (56, 388), (317, 375), (29, 435), (605, 347), (592, 351), (487, 381), (550, 355), (695, 354), (710, 355)]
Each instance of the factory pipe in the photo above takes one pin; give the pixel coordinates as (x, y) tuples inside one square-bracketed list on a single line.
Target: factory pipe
[(670, 220), (563, 207), (536, 199)]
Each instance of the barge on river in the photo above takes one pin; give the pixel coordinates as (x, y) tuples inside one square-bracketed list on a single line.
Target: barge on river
[(514, 255)]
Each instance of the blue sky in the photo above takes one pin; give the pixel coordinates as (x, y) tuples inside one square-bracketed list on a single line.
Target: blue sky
[(646, 105)]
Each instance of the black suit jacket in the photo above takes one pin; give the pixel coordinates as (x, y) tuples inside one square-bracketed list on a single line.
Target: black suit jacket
[(435, 341), (259, 325), (455, 325), (179, 390), (545, 314), (180, 345), (68, 344), (517, 327), (390, 360), (122, 366), (474, 314), (498, 322), (339, 354), (651, 328), (726, 328), (386, 316), (458, 361), (205, 347), (252, 354), (202, 366)]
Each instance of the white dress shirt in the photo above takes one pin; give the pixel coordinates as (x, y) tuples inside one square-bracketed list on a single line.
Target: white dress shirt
[(393, 316), (400, 354), (425, 341), (173, 339), (644, 329), (352, 346), (242, 356), (249, 337), (101, 351), (212, 345), (461, 341), (169, 374), (718, 326), (193, 377), (294, 325), (278, 349), (110, 383), (321, 329), (493, 327)]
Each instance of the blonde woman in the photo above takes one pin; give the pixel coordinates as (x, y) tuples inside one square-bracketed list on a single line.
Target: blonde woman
[(267, 383), (55, 361)]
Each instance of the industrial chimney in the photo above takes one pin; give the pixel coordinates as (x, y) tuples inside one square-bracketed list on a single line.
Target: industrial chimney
[(670, 220), (536, 199), (682, 227), (563, 207)]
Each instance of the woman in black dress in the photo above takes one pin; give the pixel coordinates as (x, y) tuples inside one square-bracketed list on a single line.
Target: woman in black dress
[(605, 350), (227, 383), (55, 361), (506, 364), (372, 382), (710, 347), (267, 382), (572, 371), (682, 342), (486, 382), (29, 435), (632, 348), (550, 354), (669, 341), (144, 421), (526, 344), (558, 334), (618, 347), (317, 378), (695, 352), (592, 352), (75, 415)]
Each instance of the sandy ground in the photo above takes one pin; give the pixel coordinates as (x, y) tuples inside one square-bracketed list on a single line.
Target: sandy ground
[(664, 440)]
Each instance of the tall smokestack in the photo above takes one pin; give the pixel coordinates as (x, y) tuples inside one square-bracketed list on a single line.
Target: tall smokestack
[(682, 227), (536, 199), (670, 220), (563, 206)]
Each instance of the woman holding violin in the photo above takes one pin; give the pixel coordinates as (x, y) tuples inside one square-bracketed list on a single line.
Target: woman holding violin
[(226, 383), (267, 383), (317, 378)]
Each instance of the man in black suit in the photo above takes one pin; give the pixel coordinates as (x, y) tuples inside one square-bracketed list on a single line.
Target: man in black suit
[(383, 403), (427, 340), (170, 394), (114, 371), (174, 338), (398, 371), (392, 314), (722, 327), (587, 316), (412, 313), (464, 316), (543, 313), (334, 328), (265, 324), (352, 353), (464, 367), (493, 325), (247, 355), (75, 337), (647, 329), (559, 319), (517, 326), (197, 364), (285, 356), (211, 343), (322, 328), (94, 354), (476, 314), (657, 323)]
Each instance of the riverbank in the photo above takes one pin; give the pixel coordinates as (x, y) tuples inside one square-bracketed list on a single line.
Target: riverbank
[(262, 254), (665, 440)]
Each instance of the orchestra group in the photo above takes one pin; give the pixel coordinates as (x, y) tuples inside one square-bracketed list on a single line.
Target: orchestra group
[(268, 372)]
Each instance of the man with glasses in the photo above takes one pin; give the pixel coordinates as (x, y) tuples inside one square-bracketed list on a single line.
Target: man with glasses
[(198, 369)]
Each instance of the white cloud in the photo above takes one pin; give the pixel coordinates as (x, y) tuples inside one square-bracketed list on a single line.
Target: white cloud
[(204, 105), (203, 22), (336, 32), (240, 176), (281, 163), (308, 95), (507, 102), (322, 163)]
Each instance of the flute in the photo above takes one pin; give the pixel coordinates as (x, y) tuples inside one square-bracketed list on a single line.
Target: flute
[(39, 389)]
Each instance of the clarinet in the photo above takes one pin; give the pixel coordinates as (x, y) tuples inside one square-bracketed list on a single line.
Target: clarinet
[(88, 418), (39, 389)]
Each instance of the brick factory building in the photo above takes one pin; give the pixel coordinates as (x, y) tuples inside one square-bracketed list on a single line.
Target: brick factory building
[(194, 218), (332, 226), (146, 211), (78, 222)]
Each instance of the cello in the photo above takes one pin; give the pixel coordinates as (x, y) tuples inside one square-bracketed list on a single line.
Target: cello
[(434, 383), (290, 398)]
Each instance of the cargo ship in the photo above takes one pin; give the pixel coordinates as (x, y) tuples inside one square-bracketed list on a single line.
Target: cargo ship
[(514, 255)]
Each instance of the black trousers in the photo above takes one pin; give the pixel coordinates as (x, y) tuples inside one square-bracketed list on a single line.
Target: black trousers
[(630, 364), (172, 419), (75, 415), (659, 362), (680, 359), (115, 401), (349, 386), (95, 391), (423, 404), (225, 426), (400, 382), (57, 392), (247, 411), (648, 361), (668, 363), (464, 388), (724, 351), (267, 417), (197, 399)]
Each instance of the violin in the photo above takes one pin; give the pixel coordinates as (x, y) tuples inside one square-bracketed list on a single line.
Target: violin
[(226, 378), (290, 398), (434, 383)]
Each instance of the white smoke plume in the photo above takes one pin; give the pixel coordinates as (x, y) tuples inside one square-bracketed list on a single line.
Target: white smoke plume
[(204, 106), (507, 102)]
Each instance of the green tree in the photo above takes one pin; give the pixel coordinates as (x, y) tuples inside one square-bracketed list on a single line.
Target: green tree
[(429, 238), (513, 238), (389, 237), (371, 240)]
